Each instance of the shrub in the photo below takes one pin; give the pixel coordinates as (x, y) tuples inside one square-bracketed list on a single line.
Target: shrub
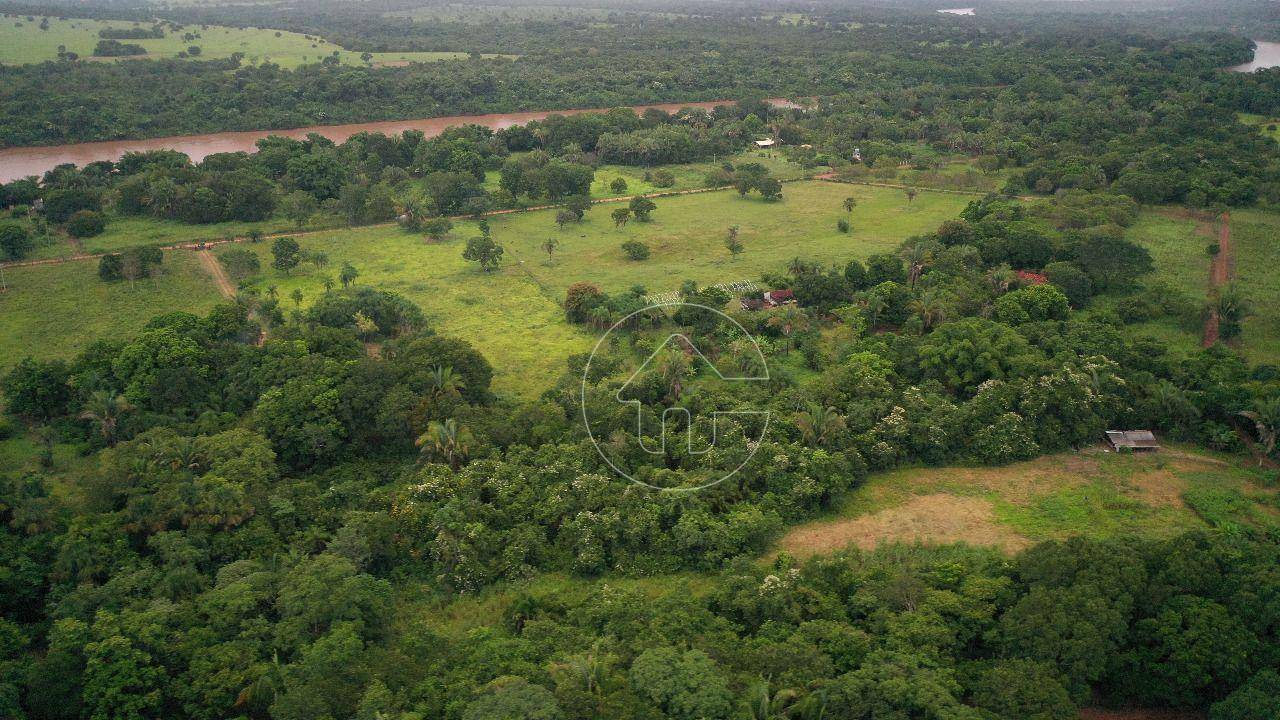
[(15, 241), (636, 250), (86, 223), (240, 262), (842, 225), (663, 178)]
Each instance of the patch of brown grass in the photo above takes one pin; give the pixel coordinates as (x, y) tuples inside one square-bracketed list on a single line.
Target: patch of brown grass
[(929, 519)]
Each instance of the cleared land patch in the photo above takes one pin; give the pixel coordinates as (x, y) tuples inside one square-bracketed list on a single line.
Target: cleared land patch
[(22, 41), (1091, 493), (54, 311), (513, 314)]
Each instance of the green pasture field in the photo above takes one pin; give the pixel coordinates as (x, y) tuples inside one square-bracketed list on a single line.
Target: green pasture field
[(22, 41), (513, 314), (1177, 242), (1253, 239), (54, 311)]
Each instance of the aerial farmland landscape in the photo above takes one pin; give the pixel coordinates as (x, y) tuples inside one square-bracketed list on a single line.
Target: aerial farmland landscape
[(645, 359)]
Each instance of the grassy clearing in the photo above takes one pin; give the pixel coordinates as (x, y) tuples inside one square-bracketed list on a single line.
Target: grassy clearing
[(22, 41), (1089, 493), (1269, 126), (512, 315), (53, 311), (1177, 243), (1253, 240)]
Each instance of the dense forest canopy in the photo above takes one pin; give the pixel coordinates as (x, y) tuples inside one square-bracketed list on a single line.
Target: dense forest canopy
[(300, 507)]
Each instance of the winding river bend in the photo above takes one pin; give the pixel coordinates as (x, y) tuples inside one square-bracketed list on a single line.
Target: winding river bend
[(1265, 55), (20, 162)]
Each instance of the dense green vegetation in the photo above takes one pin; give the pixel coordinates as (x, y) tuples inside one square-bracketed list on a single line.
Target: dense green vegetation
[(363, 461)]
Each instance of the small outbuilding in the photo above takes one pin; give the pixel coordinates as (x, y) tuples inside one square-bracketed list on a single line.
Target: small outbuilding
[(766, 143), (1132, 440)]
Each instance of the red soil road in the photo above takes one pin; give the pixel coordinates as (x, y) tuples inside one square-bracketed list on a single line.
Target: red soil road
[(1219, 274)]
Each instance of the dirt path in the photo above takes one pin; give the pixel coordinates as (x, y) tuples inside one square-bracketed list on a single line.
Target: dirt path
[(1219, 275), (219, 275), (835, 178)]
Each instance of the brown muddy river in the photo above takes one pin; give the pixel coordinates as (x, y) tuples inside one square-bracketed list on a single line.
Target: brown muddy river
[(23, 161), (1266, 55)]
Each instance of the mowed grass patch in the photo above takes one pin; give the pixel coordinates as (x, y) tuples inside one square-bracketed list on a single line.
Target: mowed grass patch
[(1254, 235), (22, 41), (54, 311), (1090, 493), (687, 234)]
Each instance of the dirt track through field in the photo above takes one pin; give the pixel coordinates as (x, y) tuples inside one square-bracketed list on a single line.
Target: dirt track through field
[(1219, 274), (219, 275)]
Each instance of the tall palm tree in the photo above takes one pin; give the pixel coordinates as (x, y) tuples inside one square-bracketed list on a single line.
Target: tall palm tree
[(674, 368), (874, 304), (1265, 415), (445, 382), (1002, 278), (105, 409), (765, 705), (819, 424), (918, 256), (930, 307), (447, 440)]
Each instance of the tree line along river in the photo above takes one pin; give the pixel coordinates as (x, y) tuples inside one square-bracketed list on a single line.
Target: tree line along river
[(19, 162)]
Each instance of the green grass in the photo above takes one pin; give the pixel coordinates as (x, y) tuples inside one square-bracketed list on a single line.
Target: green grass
[(22, 41), (513, 315), (1257, 255), (53, 311), (1269, 126), (1177, 244), (1089, 493)]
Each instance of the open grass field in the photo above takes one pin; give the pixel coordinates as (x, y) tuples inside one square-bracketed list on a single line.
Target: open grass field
[(1177, 242), (1269, 126), (1253, 238), (1091, 493), (22, 41), (53, 311), (513, 314)]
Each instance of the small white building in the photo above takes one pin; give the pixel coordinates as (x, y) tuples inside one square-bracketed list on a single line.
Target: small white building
[(766, 143)]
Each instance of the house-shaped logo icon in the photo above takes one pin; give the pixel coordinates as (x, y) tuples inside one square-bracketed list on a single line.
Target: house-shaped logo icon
[(694, 429), (675, 416)]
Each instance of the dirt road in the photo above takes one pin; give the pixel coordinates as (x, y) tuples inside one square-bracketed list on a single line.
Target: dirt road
[(1219, 274)]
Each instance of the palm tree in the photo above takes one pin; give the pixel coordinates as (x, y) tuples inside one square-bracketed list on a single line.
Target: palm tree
[(819, 424), (1002, 278), (1232, 307), (600, 316), (918, 256), (445, 382), (1266, 424), (327, 282), (849, 204), (674, 367), (874, 304), (297, 296), (930, 308), (272, 292), (549, 246), (105, 409), (763, 705), (446, 440)]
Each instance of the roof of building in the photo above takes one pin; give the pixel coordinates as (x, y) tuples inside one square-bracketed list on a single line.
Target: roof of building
[(767, 142), (1132, 438)]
